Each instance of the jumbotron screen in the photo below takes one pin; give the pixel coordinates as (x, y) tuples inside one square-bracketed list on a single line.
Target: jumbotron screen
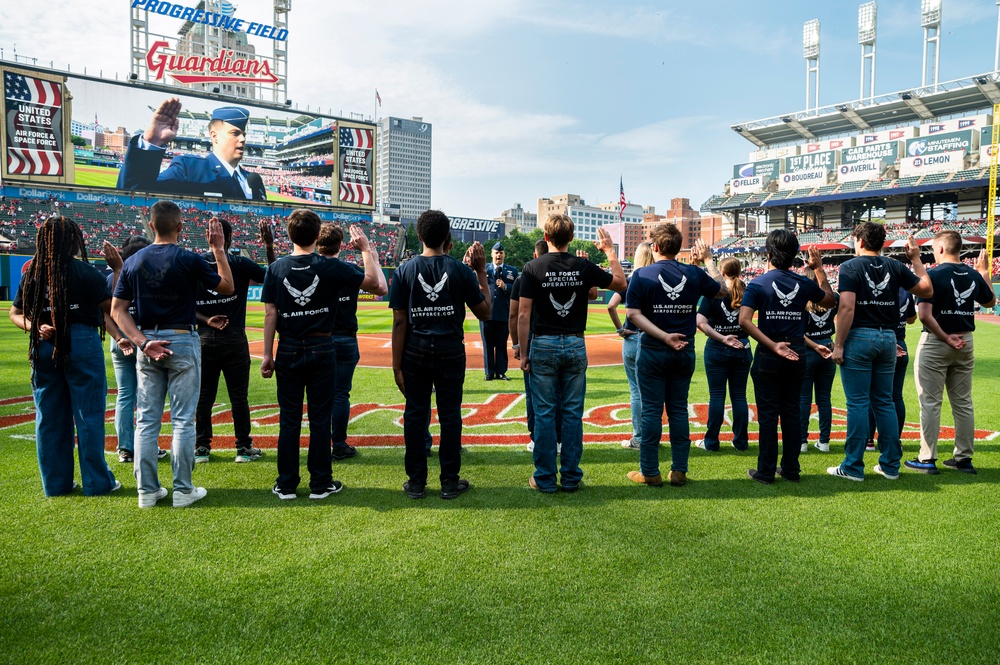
[(76, 131)]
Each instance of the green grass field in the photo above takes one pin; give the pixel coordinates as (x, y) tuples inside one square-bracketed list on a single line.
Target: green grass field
[(722, 570)]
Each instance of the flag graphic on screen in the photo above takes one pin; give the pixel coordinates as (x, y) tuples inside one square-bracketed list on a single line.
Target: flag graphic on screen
[(33, 117), (356, 184)]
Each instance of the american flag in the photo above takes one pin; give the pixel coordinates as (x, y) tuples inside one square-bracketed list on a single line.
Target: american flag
[(356, 138), (351, 192), (378, 97), (621, 200), (34, 141), (36, 91)]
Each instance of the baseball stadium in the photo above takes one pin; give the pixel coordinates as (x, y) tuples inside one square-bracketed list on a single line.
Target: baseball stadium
[(721, 569)]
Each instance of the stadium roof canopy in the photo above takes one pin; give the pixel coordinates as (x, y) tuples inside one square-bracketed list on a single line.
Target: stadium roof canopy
[(898, 109)]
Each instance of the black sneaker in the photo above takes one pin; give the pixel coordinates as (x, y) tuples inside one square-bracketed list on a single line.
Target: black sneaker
[(160, 453), (453, 489), (335, 486), (415, 491), (248, 454), (503, 377), (284, 495), (125, 457), (346, 452), (778, 472), (752, 474), (870, 446), (569, 489), (202, 454), (965, 466), (488, 378)]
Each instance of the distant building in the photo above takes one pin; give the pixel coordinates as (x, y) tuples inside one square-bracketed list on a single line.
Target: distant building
[(519, 218), (687, 219), (403, 166), (587, 218)]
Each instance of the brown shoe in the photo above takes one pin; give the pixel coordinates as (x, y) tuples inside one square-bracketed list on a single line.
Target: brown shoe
[(652, 481), (677, 478), (531, 483)]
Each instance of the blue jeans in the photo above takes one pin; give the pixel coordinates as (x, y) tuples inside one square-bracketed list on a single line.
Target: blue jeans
[(558, 379), (724, 364), (777, 385), (630, 352), (304, 368), (898, 379), (664, 377), (819, 373), (529, 407), (178, 376), (345, 349), (126, 379), (73, 394), (869, 365)]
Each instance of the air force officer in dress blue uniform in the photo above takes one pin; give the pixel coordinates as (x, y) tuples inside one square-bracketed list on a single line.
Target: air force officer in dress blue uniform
[(218, 174)]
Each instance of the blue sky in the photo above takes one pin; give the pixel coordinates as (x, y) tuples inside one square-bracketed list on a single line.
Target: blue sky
[(543, 97)]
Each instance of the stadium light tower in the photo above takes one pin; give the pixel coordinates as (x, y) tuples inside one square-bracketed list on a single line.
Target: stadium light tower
[(810, 51), (867, 15), (930, 19)]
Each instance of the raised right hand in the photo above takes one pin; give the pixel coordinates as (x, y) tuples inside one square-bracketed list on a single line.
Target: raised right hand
[(163, 126)]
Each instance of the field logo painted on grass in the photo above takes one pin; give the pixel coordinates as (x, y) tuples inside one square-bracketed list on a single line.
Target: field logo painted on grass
[(500, 420)]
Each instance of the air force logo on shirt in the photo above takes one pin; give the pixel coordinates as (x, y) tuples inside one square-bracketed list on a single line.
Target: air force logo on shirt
[(433, 292), (960, 298), (877, 289), (562, 310), (673, 292), (302, 297), (785, 298), (821, 319), (730, 315)]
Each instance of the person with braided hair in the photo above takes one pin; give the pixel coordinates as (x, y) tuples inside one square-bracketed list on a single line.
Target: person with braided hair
[(59, 304)]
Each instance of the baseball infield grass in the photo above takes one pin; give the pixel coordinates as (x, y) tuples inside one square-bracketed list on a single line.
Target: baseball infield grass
[(724, 569)]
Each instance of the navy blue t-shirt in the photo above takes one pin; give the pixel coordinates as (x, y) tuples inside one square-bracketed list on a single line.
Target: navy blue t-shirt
[(558, 284), (304, 289), (820, 326), (779, 297), (346, 320), (907, 310), (723, 318), (957, 289), (433, 291), (233, 306), (87, 289), (164, 281), (667, 294), (500, 298), (875, 281)]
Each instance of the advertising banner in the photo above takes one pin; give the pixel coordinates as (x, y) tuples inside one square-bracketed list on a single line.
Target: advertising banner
[(135, 140), (750, 185), (966, 141), (33, 123), (773, 153), (955, 125), (888, 135), (804, 178), (938, 162), (817, 160), (869, 170), (985, 145), (767, 170)]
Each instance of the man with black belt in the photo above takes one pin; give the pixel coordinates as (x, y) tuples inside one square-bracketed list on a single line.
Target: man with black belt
[(555, 286), (164, 281), (493, 332), (428, 299), (300, 300), (225, 350), (779, 297), (944, 356), (865, 346)]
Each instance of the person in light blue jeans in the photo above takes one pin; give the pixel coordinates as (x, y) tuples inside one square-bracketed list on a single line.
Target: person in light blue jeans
[(631, 337)]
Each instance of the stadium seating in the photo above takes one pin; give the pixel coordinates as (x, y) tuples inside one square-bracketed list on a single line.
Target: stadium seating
[(825, 189), (971, 174), (908, 181), (801, 192), (935, 178), (853, 186)]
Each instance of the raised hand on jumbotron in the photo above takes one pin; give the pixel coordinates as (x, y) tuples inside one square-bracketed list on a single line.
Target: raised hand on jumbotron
[(164, 123), (216, 239), (477, 257)]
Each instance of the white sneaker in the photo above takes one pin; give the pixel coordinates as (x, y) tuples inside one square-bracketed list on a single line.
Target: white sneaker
[(888, 476), (632, 443), (822, 447), (558, 449), (839, 473), (118, 486), (531, 446), (147, 500), (804, 448), (185, 499)]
